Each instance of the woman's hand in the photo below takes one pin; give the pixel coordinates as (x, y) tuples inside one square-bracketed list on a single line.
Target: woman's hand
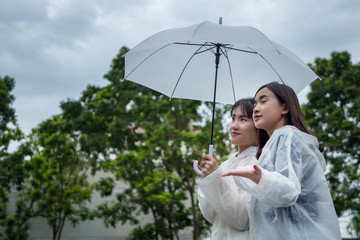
[(208, 164), (251, 172)]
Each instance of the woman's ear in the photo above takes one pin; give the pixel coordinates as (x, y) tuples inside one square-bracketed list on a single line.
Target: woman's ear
[(285, 110)]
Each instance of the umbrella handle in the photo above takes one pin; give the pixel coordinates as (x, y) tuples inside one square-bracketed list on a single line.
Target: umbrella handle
[(196, 168), (195, 165)]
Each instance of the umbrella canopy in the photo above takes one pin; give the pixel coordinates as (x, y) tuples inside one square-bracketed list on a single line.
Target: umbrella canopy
[(213, 62), (180, 63)]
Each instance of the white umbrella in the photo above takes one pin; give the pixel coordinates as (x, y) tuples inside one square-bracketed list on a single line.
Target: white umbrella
[(213, 62)]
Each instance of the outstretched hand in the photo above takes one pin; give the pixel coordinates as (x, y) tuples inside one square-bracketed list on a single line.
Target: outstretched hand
[(251, 172)]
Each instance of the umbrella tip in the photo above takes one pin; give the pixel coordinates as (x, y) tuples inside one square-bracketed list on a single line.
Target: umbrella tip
[(220, 20)]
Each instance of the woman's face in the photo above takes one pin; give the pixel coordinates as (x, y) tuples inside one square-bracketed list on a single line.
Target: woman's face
[(242, 129), (269, 114)]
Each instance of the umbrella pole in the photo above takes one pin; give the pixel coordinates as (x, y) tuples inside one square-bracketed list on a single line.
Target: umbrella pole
[(217, 61), (211, 146)]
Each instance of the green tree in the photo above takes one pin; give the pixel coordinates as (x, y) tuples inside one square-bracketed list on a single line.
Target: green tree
[(58, 183), (9, 130), (148, 142), (12, 166), (333, 113), (53, 180)]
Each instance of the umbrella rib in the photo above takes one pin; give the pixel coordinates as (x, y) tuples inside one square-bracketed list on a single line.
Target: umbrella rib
[(182, 72), (269, 65), (241, 50), (195, 44), (231, 76), (206, 44), (145, 60), (208, 49)]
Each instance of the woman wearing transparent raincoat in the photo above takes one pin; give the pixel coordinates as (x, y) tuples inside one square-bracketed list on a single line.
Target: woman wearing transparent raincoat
[(290, 198), (221, 201)]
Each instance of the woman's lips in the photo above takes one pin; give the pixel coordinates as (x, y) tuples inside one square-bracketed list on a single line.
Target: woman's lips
[(257, 117), (235, 134)]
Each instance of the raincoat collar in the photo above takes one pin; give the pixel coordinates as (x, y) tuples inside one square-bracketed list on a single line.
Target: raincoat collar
[(250, 151)]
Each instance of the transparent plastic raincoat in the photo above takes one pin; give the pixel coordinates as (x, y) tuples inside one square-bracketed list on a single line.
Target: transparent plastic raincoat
[(221, 201), (292, 199)]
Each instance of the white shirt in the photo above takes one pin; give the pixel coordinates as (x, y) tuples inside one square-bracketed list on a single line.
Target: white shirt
[(292, 199), (223, 203)]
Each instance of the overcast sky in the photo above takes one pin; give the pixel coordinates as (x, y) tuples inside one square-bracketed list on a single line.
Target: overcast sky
[(55, 48)]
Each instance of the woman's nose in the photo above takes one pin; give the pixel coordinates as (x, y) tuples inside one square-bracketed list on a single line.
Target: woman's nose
[(233, 125)]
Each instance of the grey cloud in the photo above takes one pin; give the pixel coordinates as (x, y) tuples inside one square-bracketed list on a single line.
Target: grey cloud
[(55, 48), (16, 11)]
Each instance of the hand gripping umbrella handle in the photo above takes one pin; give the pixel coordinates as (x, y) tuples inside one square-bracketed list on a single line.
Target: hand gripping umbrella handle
[(195, 165)]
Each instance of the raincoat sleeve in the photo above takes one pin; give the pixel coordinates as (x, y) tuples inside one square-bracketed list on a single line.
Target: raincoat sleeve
[(224, 197), (205, 207), (281, 186)]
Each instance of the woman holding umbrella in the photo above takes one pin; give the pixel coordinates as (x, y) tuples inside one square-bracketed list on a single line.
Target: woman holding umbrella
[(290, 198), (221, 201)]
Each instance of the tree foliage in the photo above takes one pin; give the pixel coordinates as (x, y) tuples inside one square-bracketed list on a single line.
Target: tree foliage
[(12, 167), (51, 182), (333, 113), (148, 142), (57, 183), (137, 134)]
